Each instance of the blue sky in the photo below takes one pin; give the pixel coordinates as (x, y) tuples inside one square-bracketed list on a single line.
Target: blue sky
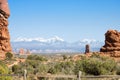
[(71, 20)]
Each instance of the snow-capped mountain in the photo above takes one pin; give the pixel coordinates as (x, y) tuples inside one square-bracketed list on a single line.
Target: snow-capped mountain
[(54, 44), (53, 39), (88, 41)]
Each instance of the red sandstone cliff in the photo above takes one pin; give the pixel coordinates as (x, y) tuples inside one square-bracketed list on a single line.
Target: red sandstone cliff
[(4, 33)]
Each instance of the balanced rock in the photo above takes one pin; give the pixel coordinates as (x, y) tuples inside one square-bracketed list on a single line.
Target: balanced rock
[(4, 33), (112, 43)]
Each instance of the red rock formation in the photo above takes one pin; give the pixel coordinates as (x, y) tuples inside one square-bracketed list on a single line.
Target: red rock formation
[(4, 34), (87, 49), (4, 9), (112, 43)]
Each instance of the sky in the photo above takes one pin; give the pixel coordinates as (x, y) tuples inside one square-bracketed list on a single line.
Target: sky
[(71, 20)]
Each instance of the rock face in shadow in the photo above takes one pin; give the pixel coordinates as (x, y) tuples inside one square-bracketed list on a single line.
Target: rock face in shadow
[(112, 43), (4, 33)]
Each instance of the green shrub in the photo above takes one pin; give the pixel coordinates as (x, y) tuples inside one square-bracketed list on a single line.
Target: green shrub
[(92, 66), (64, 57), (78, 67), (9, 55), (62, 67), (15, 68), (118, 69), (4, 70), (95, 65), (52, 70), (36, 57)]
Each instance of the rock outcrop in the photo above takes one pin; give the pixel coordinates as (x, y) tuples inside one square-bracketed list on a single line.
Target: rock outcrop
[(4, 33), (112, 43), (87, 49)]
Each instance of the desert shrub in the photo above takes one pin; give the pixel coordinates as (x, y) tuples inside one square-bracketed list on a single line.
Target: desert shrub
[(15, 68), (61, 68), (64, 57), (92, 66), (33, 63), (95, 65), (67, 67), (99, 67), (58, 67), (32, 67), (30, 70), (42, 68), (118, 69), (78, 67), (36, 57), (52, 70), (4, 70), (9, 55)]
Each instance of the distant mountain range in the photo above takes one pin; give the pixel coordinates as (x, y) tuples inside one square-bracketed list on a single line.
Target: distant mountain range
[(54, 45)]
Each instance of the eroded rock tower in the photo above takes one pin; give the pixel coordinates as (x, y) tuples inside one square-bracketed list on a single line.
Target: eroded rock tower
[(112, 43), (4, 33)]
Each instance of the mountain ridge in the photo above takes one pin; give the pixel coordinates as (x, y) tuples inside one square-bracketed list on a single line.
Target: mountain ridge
[(54, 44)]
